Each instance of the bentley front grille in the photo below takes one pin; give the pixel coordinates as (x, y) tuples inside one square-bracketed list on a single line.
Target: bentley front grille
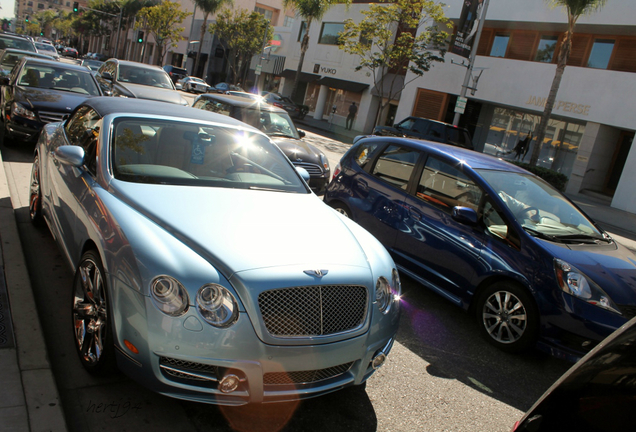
[(188, 370), (313, 310), (305, 377)]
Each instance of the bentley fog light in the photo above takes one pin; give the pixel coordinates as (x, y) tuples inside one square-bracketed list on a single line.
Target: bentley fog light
[(229, 383), (572, 281), (217, 305), (169, 296)]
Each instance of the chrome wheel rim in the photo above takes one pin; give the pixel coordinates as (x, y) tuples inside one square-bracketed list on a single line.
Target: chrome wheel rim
[(342, 212), (34, 195), (89, 312), (504, 317)]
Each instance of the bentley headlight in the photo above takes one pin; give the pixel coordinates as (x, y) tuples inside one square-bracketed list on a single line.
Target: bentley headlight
[(383, 294), (572, 281), (217, 305), (169, 295), (21, 111)]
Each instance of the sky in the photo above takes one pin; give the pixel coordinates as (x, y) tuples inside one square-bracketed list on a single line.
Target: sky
[(8, 7)]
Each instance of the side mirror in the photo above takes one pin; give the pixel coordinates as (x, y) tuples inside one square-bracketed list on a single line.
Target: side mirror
[(303, 173), (179, 86), (70, 155), (107, 76), (301, 133), (465, 215)]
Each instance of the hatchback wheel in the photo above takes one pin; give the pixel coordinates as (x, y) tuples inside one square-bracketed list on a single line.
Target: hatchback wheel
[(341, 208), (91, 316), (35, 194), (507, 317)]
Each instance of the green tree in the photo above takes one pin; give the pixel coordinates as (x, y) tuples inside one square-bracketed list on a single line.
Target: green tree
[(574, 9), (161, 21), (309, 11), (243, 33), (208, 7), (394, 38)]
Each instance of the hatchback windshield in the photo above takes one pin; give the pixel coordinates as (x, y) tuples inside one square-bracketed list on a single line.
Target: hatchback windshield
[(170, 152), (538, 207), (144, 76), (57, 78)]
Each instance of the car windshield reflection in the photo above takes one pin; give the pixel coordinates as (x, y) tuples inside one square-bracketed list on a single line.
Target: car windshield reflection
[(538, 207), (176, 153), (47, 77)]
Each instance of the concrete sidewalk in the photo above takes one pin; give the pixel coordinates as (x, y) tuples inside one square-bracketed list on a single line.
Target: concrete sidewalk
[(29, 400)]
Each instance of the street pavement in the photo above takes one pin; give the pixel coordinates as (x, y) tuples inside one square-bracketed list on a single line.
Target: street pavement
[(29, 399)]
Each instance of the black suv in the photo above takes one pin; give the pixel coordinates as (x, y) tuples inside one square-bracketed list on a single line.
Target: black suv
[(176, 73), (432, 130)]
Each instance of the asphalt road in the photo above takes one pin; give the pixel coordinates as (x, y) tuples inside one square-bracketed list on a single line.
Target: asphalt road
[(440, 376)]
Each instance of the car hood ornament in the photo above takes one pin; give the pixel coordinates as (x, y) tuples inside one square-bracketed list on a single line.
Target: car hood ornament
[(317, 273)]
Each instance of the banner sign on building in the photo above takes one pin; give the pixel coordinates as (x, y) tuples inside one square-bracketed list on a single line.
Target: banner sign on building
[(463, 41)]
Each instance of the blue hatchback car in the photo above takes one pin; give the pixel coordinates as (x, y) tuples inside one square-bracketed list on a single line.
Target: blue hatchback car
[(492, 238)]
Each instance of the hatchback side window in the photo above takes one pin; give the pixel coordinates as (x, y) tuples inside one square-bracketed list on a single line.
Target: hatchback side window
[(436, 131), (445, 187), (395, 165), (497, 225), (407, 124), (420, 126), (365, 153)]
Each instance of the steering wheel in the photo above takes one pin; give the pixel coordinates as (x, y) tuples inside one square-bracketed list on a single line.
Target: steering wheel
[(526, 210)]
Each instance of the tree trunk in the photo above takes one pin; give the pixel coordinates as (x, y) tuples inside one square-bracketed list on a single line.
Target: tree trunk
[(564, 55), (196, 62), (303, 49)]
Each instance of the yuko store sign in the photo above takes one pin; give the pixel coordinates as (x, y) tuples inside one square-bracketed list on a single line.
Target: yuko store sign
[(324, 70), (559, 105)]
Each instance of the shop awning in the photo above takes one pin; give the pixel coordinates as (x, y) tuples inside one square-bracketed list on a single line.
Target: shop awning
[(342, 84), (304, 76)]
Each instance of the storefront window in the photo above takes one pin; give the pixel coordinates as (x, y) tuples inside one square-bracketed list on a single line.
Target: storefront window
[(560, 145), (329, 33), (545, 50), (601, 53)]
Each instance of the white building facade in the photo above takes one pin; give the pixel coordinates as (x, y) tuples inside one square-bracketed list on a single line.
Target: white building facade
[(589, 137)]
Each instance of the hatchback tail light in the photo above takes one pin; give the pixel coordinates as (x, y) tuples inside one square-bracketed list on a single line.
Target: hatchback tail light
[(336, 171)]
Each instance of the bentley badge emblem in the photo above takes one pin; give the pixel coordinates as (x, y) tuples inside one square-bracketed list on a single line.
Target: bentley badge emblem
[(317, 273)]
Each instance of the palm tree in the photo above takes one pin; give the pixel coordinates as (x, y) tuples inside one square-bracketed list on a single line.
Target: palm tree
[(309, 10), (575, 9), (208, 7)]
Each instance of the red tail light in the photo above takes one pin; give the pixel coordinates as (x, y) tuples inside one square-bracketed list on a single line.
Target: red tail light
[(336, 171)]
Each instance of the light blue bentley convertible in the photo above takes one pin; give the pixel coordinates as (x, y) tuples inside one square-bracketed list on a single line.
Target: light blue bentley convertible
[(205, 268)]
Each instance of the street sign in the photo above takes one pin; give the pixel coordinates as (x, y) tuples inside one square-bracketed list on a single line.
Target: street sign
[(258, 69), (460, 105)]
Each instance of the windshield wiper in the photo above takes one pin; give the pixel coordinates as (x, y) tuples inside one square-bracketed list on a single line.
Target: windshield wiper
[(540, 234), (581, 237), (278, 134), (268, 189)]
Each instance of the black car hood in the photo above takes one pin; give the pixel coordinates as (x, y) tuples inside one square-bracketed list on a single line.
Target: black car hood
[(48, 100), (298, 150), (152, 93)]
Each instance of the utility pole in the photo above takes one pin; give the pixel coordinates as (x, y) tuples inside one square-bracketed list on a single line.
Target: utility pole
[(471, 59)]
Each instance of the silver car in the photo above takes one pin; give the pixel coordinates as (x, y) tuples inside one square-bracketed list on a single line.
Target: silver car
[(185, 230)]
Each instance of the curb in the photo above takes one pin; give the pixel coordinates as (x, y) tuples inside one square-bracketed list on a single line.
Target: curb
[(39, 396)]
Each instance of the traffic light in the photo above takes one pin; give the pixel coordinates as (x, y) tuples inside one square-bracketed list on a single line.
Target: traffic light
[(26, 18), (75, 6), (41, 33), (140, 37)]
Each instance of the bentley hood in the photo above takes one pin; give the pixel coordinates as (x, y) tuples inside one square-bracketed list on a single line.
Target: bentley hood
[(239, 230), (153, 93)]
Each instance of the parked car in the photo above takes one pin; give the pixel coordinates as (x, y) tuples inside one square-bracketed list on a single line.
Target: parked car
[(10, 57), (294, 110), (245, 95), (596, 394), (16, 42), (93, 65), (183, 235), (493, 239), (47, 49), (432, 130), (194, 85), (70, 52), (225, 87), (41, 91), (137, 80), (175, 73), (275, 122)]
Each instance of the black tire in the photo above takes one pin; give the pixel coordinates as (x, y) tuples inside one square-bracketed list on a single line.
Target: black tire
[(91, 316), (341, 208), (507, 317), (35, 193)]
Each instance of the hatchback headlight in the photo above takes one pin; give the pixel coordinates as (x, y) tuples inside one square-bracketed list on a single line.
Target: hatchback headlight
[(21, 111), (169, 295), (217, 305), (572, 281)]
